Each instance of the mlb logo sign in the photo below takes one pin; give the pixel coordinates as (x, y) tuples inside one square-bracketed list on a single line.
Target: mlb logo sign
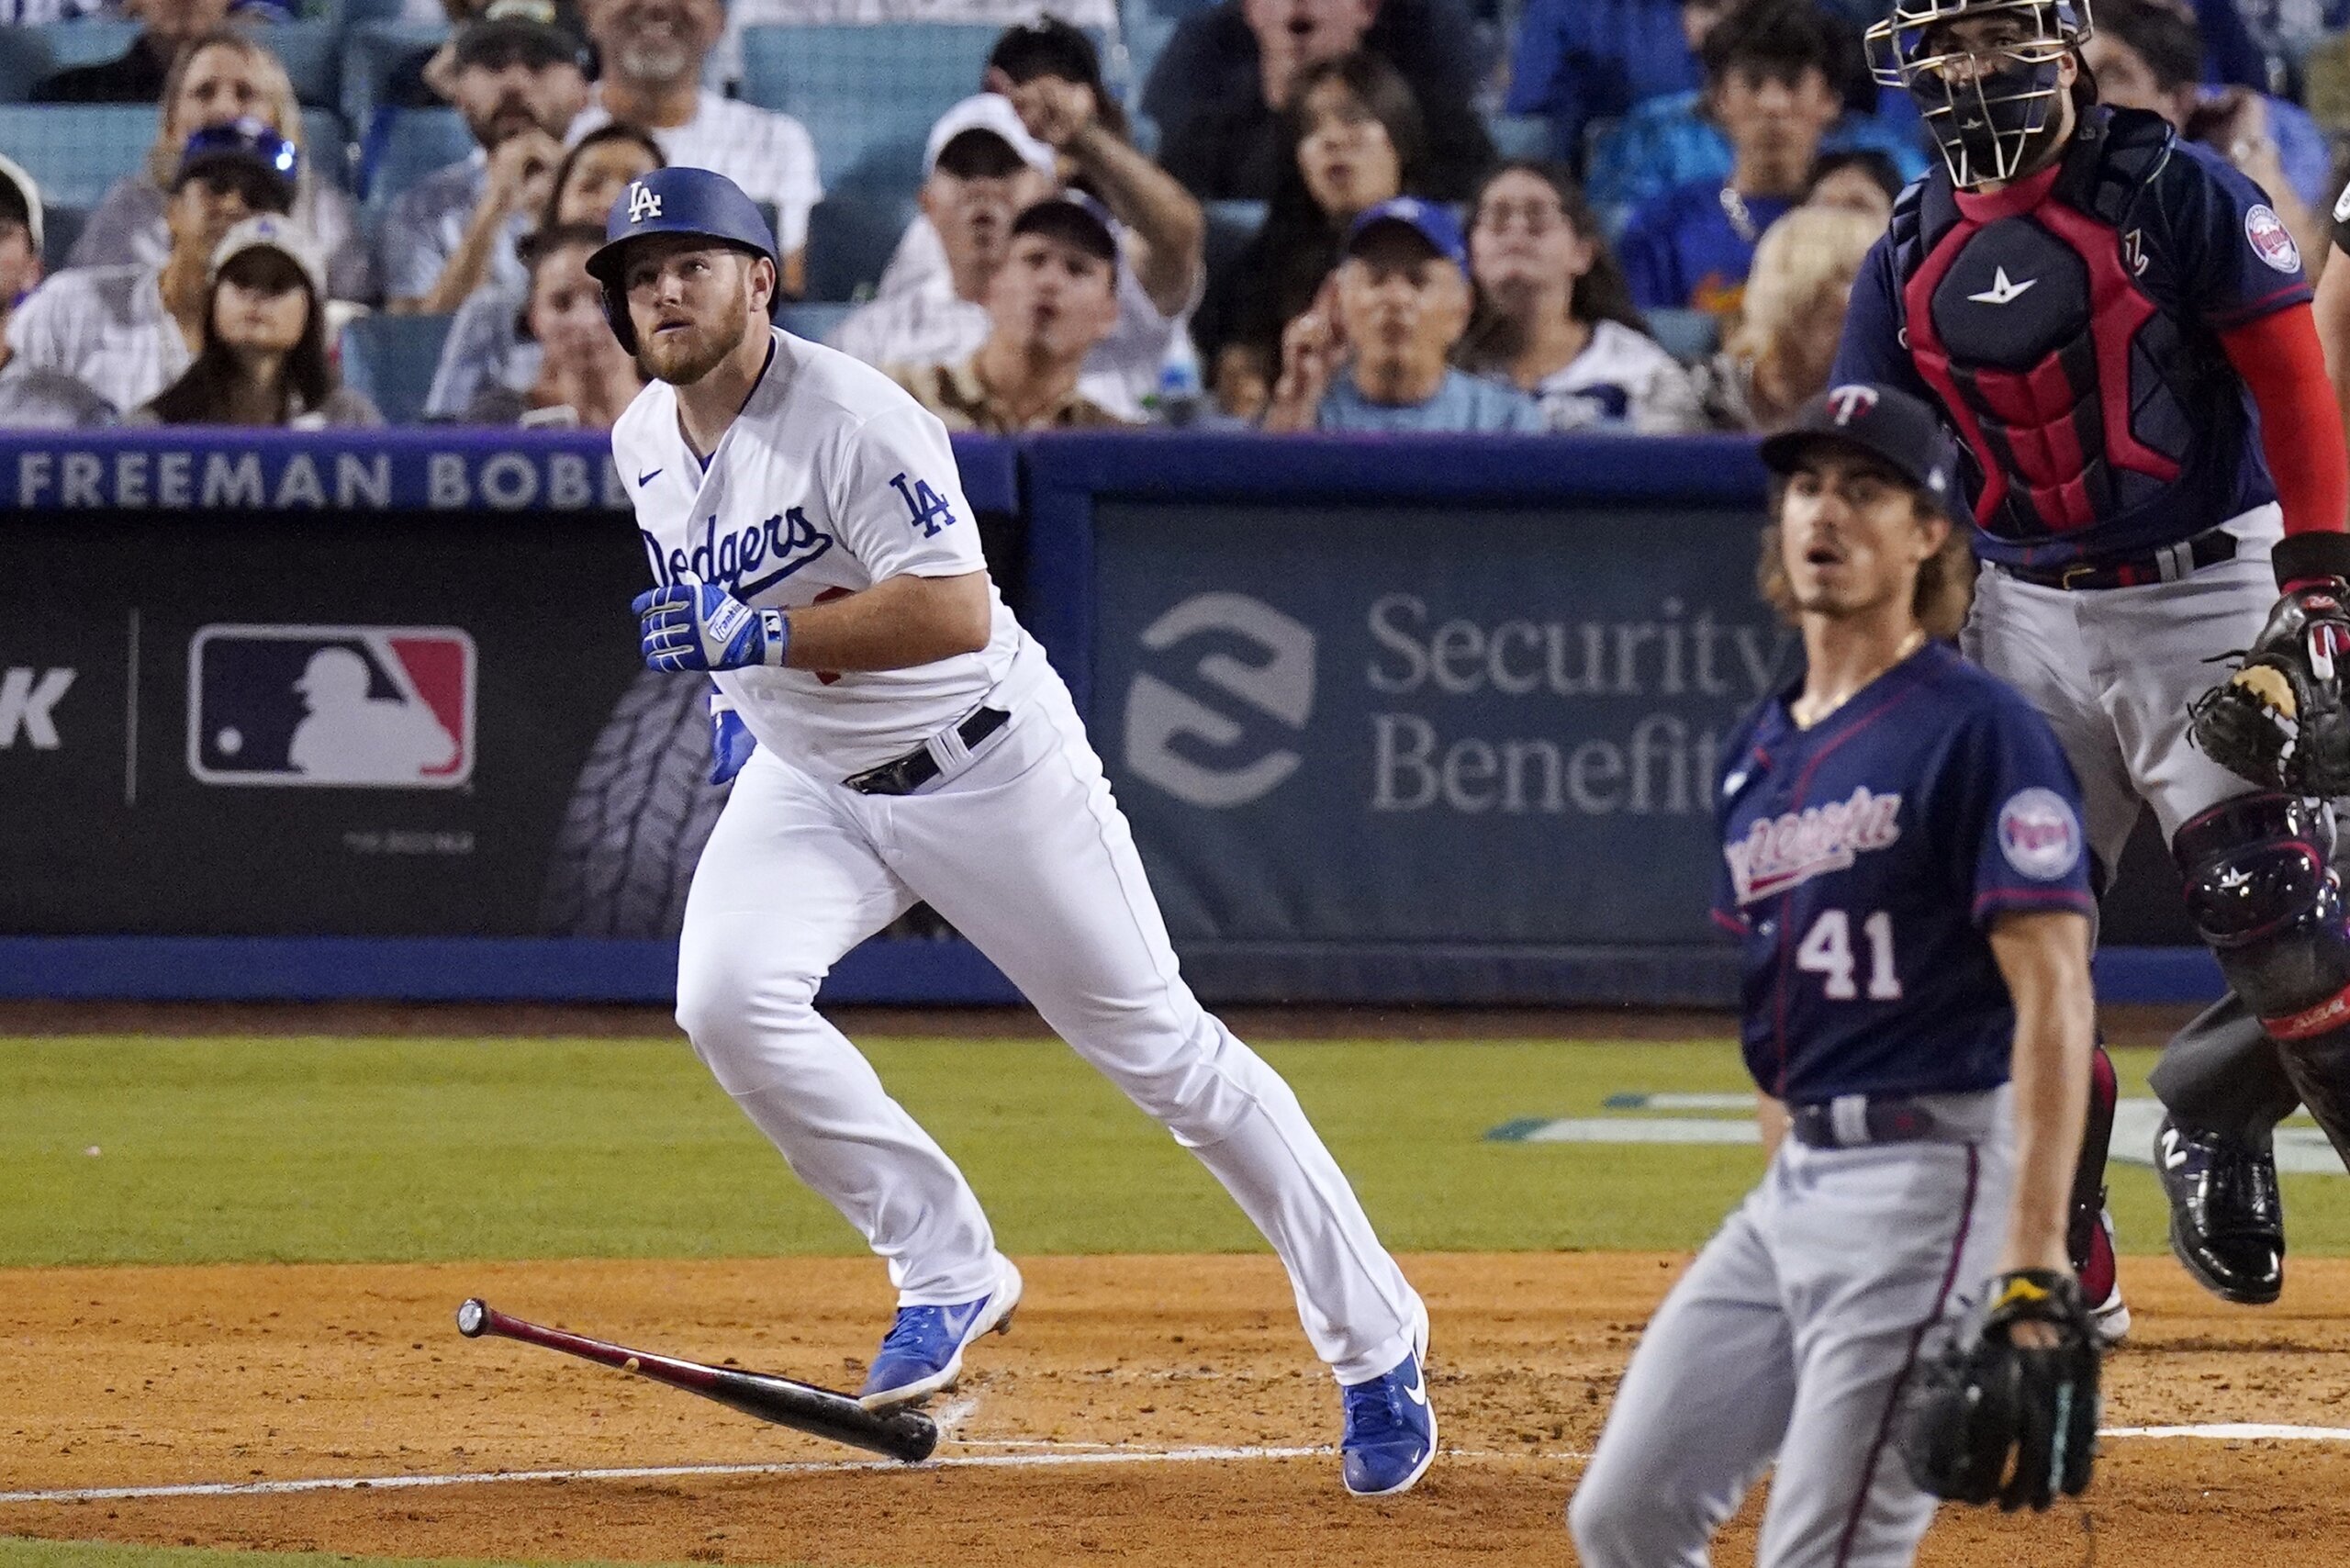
[(380, 707)]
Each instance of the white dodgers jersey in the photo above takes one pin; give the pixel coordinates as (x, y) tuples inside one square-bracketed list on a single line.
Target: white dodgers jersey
[(830, 481)]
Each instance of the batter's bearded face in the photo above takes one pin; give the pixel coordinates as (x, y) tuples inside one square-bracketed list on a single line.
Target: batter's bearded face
[(1852, 536), (690, 302)]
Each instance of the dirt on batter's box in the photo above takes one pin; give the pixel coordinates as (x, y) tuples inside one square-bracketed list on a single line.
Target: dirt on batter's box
[(1144, 1410)]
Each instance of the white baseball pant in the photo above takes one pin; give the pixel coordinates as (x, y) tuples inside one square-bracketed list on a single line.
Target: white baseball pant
[(1020, 845)]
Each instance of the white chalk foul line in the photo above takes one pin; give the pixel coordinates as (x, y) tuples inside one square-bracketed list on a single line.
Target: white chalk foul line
[(653, 1473), (2223, 1431)]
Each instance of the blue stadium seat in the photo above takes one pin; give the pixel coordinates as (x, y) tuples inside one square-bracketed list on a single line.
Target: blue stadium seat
[(1687, 335), (312, 55), (1231, 225), (353, 13), (371, 52), (76, 151), (328, 144), (1148, 24), (60, 226), (29, 54), (813, 320), (391, 359), (850, 237), (414, 143), (1520, 136), (867, 95)]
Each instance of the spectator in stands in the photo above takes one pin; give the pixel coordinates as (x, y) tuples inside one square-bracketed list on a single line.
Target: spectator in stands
[(1865, 181), (1375, 354), (128, 331), (136, 75), (726, 61), (2146, 54), (32, 396), (1355, 140), (427, 78), (522, 79), (1577, 61), (261, 355), (1680, 138), (1784, 344), (985, 168), (1219, 90), (585, 379), (653, 54), (223, 76), (1554, 317), (486, 351), (1051, 302), (1770, 82)]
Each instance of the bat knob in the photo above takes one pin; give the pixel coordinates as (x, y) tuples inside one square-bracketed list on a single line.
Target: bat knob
[(473, 1317)]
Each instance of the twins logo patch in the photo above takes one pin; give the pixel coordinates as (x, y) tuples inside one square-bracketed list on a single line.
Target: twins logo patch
[(382, 707), (2039, 834), (2271, 242)]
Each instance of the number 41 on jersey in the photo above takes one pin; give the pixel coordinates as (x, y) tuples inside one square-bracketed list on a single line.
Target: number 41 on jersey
[(1826, 950)]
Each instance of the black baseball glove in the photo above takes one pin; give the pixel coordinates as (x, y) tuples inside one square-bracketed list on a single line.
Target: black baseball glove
[(2279, 721), (1988, 1419)]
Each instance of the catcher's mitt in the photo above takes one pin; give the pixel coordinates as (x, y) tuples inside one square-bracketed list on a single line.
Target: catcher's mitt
[(2279, 721), (1988, 1419)]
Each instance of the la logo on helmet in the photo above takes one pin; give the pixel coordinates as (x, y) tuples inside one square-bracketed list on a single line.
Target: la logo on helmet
[(642, 203), (1849, 403)]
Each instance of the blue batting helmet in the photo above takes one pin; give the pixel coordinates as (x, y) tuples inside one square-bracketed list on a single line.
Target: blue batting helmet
[(676, 200)]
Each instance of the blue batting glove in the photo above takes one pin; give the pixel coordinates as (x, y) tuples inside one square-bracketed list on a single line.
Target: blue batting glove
[(694, 625), (730, 739)]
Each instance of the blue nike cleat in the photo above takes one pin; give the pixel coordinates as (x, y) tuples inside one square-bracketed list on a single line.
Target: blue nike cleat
[(1391, 1432), (922, 1352)]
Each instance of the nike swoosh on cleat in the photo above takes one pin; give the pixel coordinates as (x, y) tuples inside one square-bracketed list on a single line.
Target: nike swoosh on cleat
[(647, 477), (1416, 1391)]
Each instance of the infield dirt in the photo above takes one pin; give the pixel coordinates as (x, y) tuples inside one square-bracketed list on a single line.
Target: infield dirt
[(151, 1376)]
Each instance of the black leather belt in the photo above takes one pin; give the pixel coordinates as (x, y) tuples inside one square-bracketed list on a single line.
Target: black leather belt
[(918, 767), (1874, 1120), (2166, 564)]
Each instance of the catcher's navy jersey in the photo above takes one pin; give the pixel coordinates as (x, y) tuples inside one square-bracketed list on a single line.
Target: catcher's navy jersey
[(2069, 326), (1864, 860)]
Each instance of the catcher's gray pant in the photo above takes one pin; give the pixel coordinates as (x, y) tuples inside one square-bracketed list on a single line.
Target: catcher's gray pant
[(2113, 671), (1791, 1338)]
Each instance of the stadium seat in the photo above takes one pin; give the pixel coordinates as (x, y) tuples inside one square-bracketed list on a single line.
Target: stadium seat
[(850, 237), (60, 226), (413, 144), (1520, 136), (1231, 225), (1148, 24), (328, 145), (391, 359), (76, 151), (813, 320), (371, 52), (29, 54), (357, 13), (312, 55), (1687, 335), (867, 95)]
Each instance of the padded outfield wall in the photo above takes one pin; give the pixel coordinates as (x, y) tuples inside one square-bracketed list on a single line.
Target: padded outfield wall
[(1407, 720)]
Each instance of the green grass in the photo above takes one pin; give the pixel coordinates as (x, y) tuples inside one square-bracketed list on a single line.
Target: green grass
[(17, 1553), (349, 1151)]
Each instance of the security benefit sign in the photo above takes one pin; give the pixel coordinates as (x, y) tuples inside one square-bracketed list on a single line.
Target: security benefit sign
[(1401, 724)]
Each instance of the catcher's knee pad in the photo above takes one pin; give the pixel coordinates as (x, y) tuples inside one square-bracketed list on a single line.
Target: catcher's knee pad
[(2261, 893)]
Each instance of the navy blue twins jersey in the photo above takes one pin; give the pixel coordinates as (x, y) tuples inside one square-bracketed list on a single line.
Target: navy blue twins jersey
[(1863, 860), (2069, 327)]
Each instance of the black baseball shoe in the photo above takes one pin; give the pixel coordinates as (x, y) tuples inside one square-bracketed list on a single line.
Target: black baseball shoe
[(2227, 1225)]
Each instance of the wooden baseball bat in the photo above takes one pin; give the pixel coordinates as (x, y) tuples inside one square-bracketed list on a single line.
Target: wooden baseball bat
[(907, 1434)]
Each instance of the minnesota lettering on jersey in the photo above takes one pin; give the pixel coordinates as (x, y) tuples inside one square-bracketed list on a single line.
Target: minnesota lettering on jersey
[(782, 546), (1783, 851)]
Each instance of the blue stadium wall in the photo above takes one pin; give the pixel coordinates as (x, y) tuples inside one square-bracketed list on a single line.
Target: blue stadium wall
[(1397, 721)]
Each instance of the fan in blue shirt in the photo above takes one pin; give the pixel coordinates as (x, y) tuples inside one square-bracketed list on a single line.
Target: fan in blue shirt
[(1374, 354)]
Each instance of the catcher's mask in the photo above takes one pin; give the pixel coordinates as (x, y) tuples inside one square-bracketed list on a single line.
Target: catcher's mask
[(1984, 76)]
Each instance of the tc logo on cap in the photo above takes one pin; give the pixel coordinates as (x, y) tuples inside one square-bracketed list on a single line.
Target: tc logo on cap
[(642, 203), (1849, 403)]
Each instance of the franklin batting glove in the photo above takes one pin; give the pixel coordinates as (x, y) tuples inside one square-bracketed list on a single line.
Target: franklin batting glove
[(730, 739), (694, 625)]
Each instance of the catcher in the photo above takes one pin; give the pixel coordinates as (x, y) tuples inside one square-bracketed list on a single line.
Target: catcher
[(1905, 870), (2117, 323)]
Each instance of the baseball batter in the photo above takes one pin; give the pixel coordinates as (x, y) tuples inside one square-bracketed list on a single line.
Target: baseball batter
[(899, 737), (1904, 871), (2117, 323)]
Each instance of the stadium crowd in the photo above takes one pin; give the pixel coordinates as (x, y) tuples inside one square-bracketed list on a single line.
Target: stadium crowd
[(1289, 215)]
